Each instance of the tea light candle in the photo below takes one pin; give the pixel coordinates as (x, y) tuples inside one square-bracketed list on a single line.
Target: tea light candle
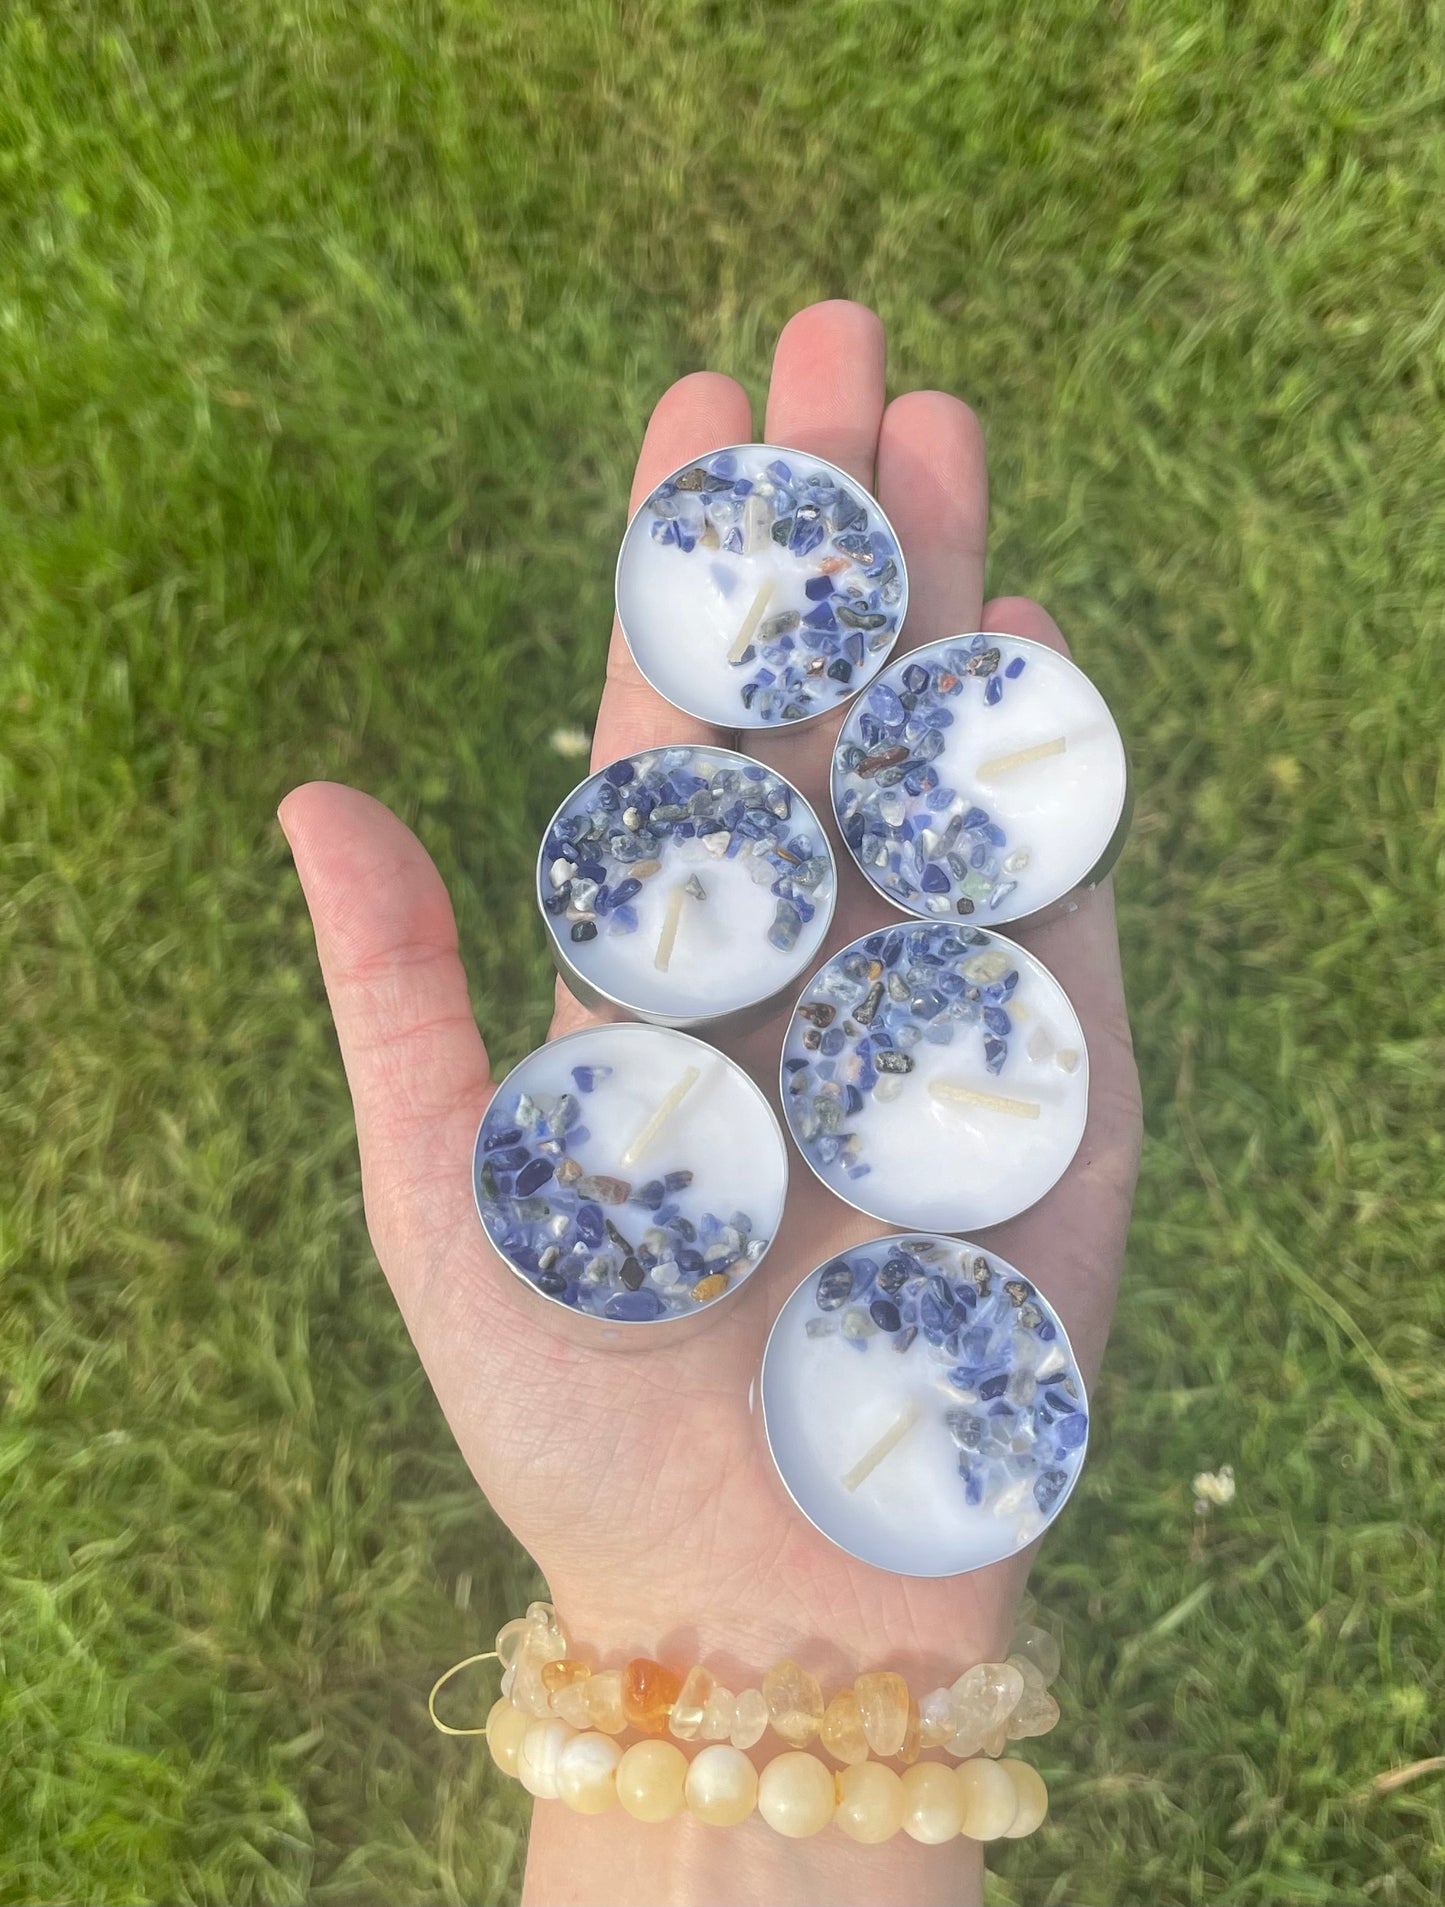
[(685, 885), (759, 586), (630, 1173), (981, 776), (923, 1406), (936, 1075)]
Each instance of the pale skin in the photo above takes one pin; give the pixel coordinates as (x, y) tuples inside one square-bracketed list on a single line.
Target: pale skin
[(641, 1484)]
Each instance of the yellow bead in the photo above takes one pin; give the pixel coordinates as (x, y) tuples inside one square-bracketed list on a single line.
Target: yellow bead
[(587, 1773), (650, 1778), (713, 1286), (750, 1719), (989, 1799), (932, 1803), (509, 1637), (984, 1697), (1036, 1714), (685, 1721), (1032, 1797), (912, 1737), (1039, 1649), (537, 1759), (796, 1796), (506, 1727), (883, 1704), (562, 1674), (936, 1718), (721, 1787), (842, 1730), (604, 1701), (795, 1702), (536, 1650), (719, 1714), (570, 1705), (870, 1802), (648, 1693)]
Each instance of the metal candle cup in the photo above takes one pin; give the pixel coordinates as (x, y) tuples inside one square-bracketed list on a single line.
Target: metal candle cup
[(632, 1178), (923, 1406), (982, 778), (935, 1075), (759, 586), (686, 886)]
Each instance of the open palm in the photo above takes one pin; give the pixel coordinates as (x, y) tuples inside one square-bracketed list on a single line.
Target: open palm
[(640, 1483)]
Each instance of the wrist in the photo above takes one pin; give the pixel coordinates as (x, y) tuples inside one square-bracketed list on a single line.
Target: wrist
[(921, 1629), (575, 1860)]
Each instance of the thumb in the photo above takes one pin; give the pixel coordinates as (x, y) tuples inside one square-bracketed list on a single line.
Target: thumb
[(387, 941)]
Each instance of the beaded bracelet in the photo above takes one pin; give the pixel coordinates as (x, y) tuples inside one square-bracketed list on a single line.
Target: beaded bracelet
[(551, 1701), (797, 1794), (990, 1705)]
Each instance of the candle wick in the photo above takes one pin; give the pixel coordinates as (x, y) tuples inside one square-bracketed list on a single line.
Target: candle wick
[(956, 1092), (885, 1446), (690, 889), (752, 618), (1021, 758), (660, 1118)]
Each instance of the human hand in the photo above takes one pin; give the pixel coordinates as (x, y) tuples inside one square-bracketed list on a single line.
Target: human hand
[(641, 1484)]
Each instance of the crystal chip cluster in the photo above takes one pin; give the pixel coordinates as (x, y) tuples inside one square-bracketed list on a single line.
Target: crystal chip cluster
[(618, 1248), (1009, 1393), (616, 834), (863, 1015), (800, 660), (928, 848)]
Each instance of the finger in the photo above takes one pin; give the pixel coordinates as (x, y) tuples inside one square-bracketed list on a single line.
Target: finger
[(697, 414), (826, 396), (826, 393), (415, 1062), (933, 485)]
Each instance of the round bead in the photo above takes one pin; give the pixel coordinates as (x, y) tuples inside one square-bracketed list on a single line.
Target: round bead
[(650, 1779), (932, 1802), (587, 1773), (1032, 1796), (750, 1719), (506, 1729), (989, 1799), (870, 1802), (542, 1746), (722, 1786), (796, 1796)]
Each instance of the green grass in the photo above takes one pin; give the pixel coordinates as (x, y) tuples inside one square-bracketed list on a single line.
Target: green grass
[(326, 337)]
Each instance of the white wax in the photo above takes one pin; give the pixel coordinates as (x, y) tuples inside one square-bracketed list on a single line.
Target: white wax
[(722, 958), (1058, 810), (945, 1164), (682, 610), (827, 1404), (721, 1130)]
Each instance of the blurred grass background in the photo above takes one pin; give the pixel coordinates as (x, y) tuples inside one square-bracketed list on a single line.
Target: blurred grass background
[(327, 332)]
